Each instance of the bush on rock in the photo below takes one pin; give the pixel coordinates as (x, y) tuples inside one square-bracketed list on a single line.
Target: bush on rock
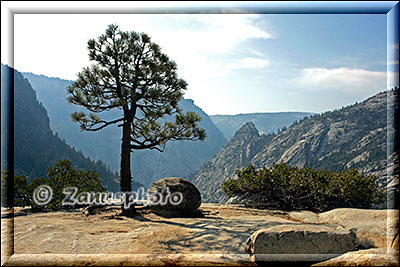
[(289, 188)]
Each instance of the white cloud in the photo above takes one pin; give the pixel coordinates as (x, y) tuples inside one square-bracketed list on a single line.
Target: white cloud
[(199, 43), (342, 79), (206, 47), (249, 63), (197, 68)]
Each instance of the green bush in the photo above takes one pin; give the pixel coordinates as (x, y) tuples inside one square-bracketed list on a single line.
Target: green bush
[(289, 188), (64, 175), (59, 177)]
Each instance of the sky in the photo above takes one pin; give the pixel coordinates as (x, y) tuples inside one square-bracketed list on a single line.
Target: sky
[(233, 63)]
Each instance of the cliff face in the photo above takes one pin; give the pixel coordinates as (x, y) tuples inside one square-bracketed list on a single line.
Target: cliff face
[(352, 137), (235, 154), (36, 147)]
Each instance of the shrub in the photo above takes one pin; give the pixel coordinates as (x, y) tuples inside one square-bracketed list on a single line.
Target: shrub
[(289, 188), (64, 175), (59, 177)]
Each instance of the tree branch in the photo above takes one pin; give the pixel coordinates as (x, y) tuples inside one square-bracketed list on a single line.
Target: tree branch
[(105, 124)]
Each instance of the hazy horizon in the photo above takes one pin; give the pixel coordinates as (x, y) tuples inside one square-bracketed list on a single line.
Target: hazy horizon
[(219, 114), (233, 63)]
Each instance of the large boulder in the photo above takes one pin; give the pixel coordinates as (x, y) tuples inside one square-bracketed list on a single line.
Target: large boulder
[(174, 197), (299, 242)]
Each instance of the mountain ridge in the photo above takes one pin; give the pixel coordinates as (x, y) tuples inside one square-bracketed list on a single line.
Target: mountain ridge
[(266, 122), (333, 140)]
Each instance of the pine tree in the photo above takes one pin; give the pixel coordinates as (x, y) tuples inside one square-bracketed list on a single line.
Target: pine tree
[(131, 73)]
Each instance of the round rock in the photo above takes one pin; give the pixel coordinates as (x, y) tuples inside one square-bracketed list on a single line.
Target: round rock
[(174, 197)]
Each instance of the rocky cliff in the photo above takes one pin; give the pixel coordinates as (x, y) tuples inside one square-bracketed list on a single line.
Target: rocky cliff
[(36, 147), (351, 137)]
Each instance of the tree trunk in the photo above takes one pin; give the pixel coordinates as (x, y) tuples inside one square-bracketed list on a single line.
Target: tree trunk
[(126, 178), (125, 173)]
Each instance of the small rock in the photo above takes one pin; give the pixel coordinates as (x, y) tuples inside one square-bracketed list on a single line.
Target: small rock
[(173, 205), (93, 209)]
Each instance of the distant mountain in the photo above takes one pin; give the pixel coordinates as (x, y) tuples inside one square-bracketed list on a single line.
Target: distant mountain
[(180, 158), (267, 122), (36, 147), (235, 154), (352, 137)]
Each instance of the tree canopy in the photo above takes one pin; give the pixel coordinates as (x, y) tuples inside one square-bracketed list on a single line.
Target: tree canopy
[(132, 74)]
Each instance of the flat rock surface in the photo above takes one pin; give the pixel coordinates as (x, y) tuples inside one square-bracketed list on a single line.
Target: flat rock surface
[(222, 230), (367, 257), (216, 238)]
